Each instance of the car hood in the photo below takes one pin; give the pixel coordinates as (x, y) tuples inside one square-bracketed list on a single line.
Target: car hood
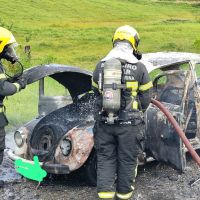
[(160, 60), (76, 80)]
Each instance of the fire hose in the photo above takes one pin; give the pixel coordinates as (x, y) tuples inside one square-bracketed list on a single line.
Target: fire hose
[(178, 129)]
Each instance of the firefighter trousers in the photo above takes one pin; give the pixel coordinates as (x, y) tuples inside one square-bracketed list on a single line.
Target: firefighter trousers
[(2, 143), (118, 147)]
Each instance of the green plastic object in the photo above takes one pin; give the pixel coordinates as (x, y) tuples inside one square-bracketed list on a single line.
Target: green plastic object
[(30, 171)]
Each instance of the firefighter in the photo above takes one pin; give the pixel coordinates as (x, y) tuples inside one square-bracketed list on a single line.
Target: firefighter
[(7, 52), (119, 126)]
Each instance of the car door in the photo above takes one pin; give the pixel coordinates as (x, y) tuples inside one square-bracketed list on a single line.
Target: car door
[(162, 142)]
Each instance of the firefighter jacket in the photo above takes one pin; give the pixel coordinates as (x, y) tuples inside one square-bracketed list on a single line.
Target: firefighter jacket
[(137, 94), (6, 89)]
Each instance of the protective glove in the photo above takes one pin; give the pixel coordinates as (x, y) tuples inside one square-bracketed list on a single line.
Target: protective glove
[(22, 82)]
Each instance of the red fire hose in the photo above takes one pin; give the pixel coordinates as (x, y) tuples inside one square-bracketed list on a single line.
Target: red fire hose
[(179, 131)]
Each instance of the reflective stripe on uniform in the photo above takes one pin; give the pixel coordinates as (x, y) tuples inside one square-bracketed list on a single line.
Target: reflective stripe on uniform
[(135, 105), (17, 86), (2, 76), (124, 196), (106, 195), (132, 187), (133, 85), (94, 84), (134, 93), (136, 170), (146, 86)]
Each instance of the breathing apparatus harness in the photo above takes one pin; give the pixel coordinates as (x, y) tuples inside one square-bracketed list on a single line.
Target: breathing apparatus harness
[(110, 84)]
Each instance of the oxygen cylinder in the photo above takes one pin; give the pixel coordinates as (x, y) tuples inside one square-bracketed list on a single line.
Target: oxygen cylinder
[(111, 94)]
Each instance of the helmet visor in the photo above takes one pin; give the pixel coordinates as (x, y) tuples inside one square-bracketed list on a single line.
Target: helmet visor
[(12, 70), (137, 40)]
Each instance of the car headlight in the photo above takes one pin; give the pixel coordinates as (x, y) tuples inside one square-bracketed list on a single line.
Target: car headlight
[(66, 146), (19, 138)]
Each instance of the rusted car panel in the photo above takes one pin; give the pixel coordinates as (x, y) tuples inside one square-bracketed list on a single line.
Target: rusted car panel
[(82, 140), (25, 131)]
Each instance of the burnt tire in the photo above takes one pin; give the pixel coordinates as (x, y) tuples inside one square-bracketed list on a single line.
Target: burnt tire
[(90, 169), (44, 140)]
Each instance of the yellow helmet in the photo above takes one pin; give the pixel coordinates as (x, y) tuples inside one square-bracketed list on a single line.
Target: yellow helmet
[(127, 33), (6, 37)]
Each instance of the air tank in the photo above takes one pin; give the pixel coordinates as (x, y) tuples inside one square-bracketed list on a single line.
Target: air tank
[(111, 94)]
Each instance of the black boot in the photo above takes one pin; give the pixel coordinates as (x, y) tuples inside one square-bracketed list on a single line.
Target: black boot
[(1, 183)]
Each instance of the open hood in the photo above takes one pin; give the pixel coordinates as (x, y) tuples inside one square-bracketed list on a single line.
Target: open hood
[(76, 80), (161, 60)]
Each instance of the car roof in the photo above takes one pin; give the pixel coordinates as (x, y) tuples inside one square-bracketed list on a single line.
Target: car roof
[(161, 60)]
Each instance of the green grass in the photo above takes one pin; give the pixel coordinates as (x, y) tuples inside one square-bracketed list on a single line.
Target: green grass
[(79, 33)]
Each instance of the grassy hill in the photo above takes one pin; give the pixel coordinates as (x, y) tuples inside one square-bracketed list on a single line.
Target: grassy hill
[(79, 33)]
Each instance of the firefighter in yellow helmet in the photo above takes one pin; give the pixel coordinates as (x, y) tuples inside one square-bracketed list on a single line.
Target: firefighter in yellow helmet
[(7, 52), (125, 91)]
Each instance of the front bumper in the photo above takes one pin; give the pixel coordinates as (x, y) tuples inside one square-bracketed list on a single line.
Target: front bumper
[(53, 168)]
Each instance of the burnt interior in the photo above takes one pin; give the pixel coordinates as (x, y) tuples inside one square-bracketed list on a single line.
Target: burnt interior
[(172, 92)]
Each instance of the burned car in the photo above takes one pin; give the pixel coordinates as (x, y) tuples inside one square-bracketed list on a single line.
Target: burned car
[(62, 137), (178, 88)]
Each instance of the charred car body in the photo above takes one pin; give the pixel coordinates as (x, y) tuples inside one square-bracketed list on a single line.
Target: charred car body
[(62, 137)]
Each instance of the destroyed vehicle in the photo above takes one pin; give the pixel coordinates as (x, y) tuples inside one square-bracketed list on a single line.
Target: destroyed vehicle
[(62, 137)]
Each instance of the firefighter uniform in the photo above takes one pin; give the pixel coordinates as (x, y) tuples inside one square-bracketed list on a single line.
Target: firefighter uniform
[(118, 145), (7, 88)]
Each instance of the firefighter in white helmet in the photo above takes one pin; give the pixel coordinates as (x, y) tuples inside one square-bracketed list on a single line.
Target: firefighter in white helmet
[(125, 91), (7, 52)]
